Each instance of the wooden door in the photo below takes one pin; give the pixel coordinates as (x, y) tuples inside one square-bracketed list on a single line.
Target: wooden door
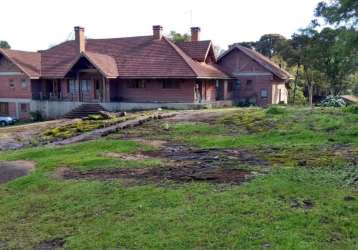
[(4, 108)]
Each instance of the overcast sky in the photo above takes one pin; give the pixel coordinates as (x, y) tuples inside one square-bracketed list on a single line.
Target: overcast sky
[(37, 24)]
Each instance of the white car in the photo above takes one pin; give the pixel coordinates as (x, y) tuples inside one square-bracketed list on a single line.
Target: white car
[(6, 120)]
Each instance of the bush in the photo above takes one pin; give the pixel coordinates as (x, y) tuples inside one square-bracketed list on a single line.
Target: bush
[(95, 118), (333, 101), (352, 109), (36, 116), (275, 110)]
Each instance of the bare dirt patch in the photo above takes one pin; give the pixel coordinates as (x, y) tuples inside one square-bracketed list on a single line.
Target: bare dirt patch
[(176, 174), (10, 170), (198, 115), (50, 244), (185, 165)]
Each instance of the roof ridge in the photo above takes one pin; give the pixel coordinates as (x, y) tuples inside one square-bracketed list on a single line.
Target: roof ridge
[(182, 54), (22, 51), (114, 38)]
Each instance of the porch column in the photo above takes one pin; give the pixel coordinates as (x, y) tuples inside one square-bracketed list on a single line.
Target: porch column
[(79, 87), (225, 94), (106, 90)]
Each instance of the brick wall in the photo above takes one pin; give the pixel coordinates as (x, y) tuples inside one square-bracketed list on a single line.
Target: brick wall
[(153, 92), (13, 84), (253, 79)]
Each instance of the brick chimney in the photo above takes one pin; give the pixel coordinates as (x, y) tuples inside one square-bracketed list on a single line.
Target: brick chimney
[(195, 34), (80, 39), (157, 32)]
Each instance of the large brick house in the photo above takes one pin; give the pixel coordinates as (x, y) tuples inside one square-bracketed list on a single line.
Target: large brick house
[(135, 73), (119, 73), (258, 80)]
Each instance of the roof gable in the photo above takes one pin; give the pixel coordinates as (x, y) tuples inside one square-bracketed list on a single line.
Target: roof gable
[(261, 60), (106, 65), (28, 62), (198, 50)]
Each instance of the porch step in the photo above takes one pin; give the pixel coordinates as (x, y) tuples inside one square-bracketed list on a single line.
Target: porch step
[(85, 110)]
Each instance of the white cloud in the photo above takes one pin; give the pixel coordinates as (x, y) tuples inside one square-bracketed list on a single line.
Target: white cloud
[(37, 24)]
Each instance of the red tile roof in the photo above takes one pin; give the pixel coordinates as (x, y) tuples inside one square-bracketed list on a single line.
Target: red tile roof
[(196, 50), (262, 60), (132, 57), (28, 62)]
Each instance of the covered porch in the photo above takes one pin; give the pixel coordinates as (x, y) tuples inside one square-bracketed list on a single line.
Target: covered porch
[(85, 81)]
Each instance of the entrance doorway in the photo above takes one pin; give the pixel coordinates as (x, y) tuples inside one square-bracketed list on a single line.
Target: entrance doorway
[(4, 108)]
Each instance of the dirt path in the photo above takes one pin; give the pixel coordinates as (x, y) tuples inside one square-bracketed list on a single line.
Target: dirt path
[(10, 170)]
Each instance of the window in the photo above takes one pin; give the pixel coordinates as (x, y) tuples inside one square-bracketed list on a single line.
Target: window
[(24, 107), (71, 86), (238, 83), (171, 84), (12, 83), (263, 93), (24, 83), (249, 82), (136, 84), (85, 85)]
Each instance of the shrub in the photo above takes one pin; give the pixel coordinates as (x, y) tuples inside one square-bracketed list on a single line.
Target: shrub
[(36, 116), (275, 110), (352, 109), (95, 118), (333, 101)]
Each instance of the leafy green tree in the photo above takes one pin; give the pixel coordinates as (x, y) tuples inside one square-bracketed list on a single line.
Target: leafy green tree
[(4, 45), (339, 12), (270, 44), (177, 37), (250, 45), (336, 57)]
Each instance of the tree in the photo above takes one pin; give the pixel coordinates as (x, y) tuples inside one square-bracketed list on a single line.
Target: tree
[(339, 12), (177, 37), (4, 45), (302, 53), (336, 57), (250, 45), (270, 44)]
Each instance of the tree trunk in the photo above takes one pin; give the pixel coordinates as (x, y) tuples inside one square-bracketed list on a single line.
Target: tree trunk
[(310, 93), (295, 85), (310, 87)]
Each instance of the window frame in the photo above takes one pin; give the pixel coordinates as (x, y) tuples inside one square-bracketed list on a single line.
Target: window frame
[(24, 107), (71, 86), (12, 84), (171, 84), (136, 84), (86, 86), (263, 96)]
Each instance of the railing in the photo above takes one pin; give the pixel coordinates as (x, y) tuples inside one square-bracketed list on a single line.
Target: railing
[(52, 97)]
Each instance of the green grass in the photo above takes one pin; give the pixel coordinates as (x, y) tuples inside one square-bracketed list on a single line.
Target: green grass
[(267, 212)]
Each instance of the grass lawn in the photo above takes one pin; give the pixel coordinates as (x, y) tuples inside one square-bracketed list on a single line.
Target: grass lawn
[(305, 197)]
